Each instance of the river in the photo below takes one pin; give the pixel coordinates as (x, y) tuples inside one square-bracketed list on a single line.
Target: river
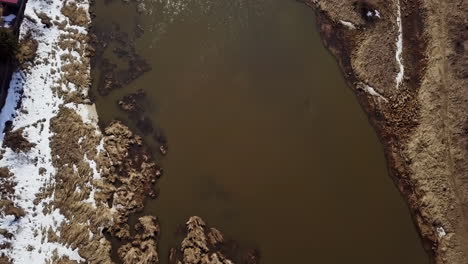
[(265, 141)]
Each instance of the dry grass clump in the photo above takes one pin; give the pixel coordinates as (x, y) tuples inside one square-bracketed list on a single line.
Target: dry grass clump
[(16, 141), (27, 49), (7, 186), (143, 248), (200, 246), (45, 19), (77, 15), (5, 260), (8, 208), (72, 141)]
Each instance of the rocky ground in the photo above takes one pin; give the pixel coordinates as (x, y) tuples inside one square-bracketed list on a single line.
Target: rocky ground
[(407, 60)]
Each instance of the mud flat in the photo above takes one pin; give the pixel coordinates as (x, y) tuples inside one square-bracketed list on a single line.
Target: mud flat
[(407, 63)]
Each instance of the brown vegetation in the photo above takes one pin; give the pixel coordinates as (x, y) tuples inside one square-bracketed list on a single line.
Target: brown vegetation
[(16, 141), (143, 248), (200, 245), (127, 166), (424, 121), (5, 260), (77, 15), (27, 49), (45, 19), (8, 208)]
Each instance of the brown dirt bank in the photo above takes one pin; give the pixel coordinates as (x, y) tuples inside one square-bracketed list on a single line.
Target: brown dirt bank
[(422, 121)]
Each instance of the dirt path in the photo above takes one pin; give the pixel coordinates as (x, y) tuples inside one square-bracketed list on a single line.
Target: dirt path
[(443, 86)]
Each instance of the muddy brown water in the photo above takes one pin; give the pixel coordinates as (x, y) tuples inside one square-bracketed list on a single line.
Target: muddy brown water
[(266, 142)]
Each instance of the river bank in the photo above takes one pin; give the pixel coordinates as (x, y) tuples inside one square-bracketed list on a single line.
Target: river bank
[(406, 62), (65, 184)]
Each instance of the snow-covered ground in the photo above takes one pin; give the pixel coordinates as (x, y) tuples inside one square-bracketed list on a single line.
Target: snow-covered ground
[(39, 103)]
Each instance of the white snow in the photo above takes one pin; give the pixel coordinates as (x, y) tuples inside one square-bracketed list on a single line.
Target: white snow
[(348, 24), (377, 13), (373, 92), (86, 112), (399, 48), (38, 103), (100, 147), (93, 166), (374, 13), (440, 232)]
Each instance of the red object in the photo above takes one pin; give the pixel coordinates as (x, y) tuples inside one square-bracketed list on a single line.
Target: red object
[(14, 2)]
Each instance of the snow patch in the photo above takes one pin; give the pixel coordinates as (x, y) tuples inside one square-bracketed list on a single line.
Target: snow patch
[(399, 48), (348, 24), (373, 13), (441, 232), (377, 13), (373, 92)]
